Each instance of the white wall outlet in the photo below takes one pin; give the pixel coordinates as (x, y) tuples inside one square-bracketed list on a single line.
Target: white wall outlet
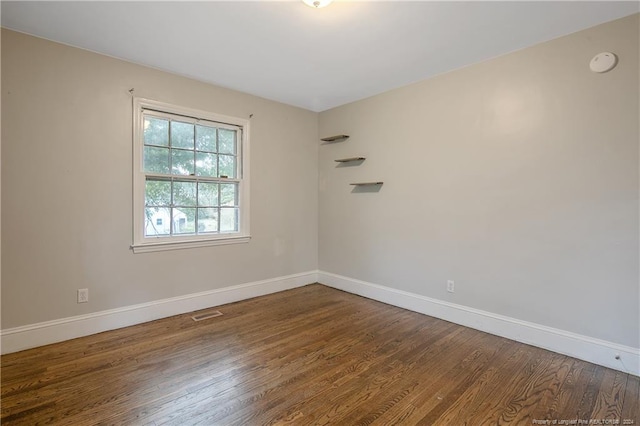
[(450, 286), (83, 295)]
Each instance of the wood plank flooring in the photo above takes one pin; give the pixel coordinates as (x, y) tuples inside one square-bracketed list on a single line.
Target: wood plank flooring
[(311, 355)]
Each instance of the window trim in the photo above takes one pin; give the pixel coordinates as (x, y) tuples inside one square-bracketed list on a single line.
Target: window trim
[(142, 244)]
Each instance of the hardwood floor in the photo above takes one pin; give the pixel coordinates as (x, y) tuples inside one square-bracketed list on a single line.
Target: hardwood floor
[(312, 355)]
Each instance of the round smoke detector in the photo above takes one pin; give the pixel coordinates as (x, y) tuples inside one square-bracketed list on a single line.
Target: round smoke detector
[(603, 62)]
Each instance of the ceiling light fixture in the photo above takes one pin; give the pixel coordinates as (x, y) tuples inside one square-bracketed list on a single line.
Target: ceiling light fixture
[(317, 3)]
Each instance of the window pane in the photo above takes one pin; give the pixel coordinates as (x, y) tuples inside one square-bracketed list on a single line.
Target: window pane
[(156, 131), (184, 221), (228, 194), (156, 160), (156, 222), (184, 194), (228, 220), (181, 162), (207, 194), (181, 135), (227, 166), (157, 193), (227, 141), (206, 138), (206, 164), (207, 221)]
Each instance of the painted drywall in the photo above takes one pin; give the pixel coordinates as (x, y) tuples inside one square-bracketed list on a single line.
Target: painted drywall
[(67, 186), (0, 184), (517, 178)]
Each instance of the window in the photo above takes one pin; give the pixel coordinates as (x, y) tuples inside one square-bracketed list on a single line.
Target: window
[(190, 178)]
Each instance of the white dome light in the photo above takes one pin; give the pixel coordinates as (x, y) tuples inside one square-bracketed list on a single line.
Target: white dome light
[(317, 3)]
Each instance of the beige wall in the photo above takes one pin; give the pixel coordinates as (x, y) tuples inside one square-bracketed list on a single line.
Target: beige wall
[(516, 177), (67, 188)]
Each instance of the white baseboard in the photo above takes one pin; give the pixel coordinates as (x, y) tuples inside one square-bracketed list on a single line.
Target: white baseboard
[(578, 346), (44, 333)]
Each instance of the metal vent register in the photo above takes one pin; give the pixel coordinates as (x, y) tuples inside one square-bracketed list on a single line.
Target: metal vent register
[(206, 315)]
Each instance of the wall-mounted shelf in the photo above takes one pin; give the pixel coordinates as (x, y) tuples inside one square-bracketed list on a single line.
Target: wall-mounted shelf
[(349, 160), (336, 138), (366, 183)]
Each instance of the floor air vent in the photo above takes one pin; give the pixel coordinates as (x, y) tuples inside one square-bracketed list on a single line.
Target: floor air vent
[(206, 315)]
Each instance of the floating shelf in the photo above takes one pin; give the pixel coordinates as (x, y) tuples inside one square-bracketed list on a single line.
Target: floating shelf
[(366, 183), (336, 138), (350, 159)]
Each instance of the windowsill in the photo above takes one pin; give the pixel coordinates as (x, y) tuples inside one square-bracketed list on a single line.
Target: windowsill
[(178, 245)]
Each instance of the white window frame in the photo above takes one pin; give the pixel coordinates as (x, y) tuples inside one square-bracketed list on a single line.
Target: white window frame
[(142, 244)]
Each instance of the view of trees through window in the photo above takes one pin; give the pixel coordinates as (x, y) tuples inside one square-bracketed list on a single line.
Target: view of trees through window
[(190, 168)]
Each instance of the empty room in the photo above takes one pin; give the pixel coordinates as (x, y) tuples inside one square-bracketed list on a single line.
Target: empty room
[(320, 212)]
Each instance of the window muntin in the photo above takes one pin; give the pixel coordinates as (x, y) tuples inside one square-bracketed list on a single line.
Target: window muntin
[(191, 182)]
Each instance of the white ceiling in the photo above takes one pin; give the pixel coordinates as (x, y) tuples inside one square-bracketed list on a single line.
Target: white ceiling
[(312, 58)]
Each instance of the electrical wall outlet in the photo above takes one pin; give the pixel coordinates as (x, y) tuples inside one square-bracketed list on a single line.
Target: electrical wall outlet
[(450, 286), (83, 295)]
